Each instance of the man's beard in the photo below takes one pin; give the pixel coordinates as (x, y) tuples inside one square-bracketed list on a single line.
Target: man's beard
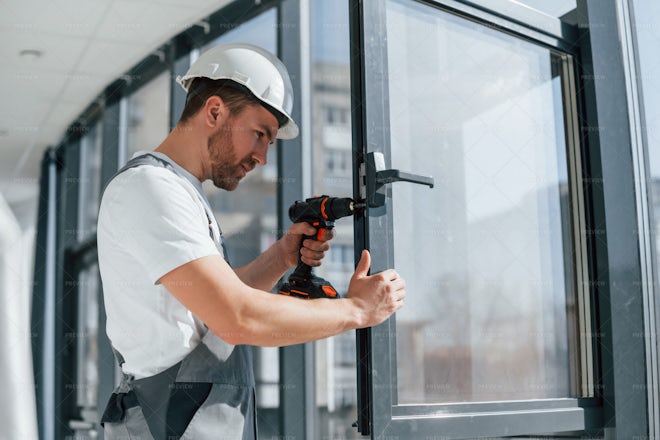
[(226, 169)]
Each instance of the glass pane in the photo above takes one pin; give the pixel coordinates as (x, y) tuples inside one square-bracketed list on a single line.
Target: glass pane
[(90, 181), (487, 253), (87, 342), (248, 218), (148, 120), (336, 382), (648, 39), (260, 31)]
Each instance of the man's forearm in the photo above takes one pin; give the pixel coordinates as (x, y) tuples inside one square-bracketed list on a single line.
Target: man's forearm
[(278, 320), (239, 314), (264, 271)]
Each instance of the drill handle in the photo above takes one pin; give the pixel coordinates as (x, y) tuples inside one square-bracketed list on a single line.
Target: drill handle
[(303, 269)]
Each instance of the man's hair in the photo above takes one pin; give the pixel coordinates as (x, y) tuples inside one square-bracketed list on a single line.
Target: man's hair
[(234, 95)]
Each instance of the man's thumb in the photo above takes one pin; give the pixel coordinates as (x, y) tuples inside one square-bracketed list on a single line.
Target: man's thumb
[(364, 264)]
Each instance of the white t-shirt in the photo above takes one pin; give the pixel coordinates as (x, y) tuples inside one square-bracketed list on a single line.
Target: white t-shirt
[(151, 221)]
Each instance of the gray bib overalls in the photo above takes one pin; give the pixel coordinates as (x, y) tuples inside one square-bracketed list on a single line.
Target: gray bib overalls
[(207, 395)]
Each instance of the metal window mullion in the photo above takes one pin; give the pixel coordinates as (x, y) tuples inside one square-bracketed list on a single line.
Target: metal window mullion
[(111, 133), (297, 363), (66, 286), (180, 60), (307, 161), (84, 179), (620, 302), (630, 71), (376, 367), (306, 95)]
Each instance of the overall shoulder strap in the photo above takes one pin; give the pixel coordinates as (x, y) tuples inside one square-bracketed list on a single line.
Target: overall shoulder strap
[(153, 160), (145, 159)]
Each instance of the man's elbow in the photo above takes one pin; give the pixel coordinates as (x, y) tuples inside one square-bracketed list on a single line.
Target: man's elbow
[(233, 329), (233, 336), (247, 332), (243, 320)]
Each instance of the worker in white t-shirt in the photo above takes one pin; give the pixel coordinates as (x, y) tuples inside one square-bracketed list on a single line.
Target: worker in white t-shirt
[(179, 317)]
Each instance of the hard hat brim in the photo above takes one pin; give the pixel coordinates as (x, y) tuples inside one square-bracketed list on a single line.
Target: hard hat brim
[(288, 131)]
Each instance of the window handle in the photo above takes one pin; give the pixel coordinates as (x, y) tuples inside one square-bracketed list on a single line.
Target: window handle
[(377, 177), (390, 176)]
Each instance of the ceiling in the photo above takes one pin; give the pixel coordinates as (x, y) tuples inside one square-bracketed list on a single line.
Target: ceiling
[(58, 56)]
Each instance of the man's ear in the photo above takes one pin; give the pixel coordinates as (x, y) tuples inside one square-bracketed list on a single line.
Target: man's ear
[(215, 111)]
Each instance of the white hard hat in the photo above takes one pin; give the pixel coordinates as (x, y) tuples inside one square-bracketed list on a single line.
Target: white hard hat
[(258, 70)]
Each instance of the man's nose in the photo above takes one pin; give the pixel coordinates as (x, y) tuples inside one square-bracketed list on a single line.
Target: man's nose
[(260, 155)]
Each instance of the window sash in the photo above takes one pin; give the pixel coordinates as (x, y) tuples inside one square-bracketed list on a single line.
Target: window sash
[(379, 413)]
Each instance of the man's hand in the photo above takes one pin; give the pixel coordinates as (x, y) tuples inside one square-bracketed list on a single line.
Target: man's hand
[(376, 296), (312, 251)]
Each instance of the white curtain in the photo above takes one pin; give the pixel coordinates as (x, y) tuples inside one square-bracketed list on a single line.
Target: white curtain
[(18, 408)]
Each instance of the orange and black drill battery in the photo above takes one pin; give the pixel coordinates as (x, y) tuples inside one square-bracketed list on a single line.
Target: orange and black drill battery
[(320, 212)]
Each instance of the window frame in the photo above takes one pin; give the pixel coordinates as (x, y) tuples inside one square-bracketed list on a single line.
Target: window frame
[(379, 414)]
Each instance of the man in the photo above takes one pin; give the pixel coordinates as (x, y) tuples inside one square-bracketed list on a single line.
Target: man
[(179, 317)]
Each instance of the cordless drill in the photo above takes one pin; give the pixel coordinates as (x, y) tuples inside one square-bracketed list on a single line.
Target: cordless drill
[(320, 212)]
